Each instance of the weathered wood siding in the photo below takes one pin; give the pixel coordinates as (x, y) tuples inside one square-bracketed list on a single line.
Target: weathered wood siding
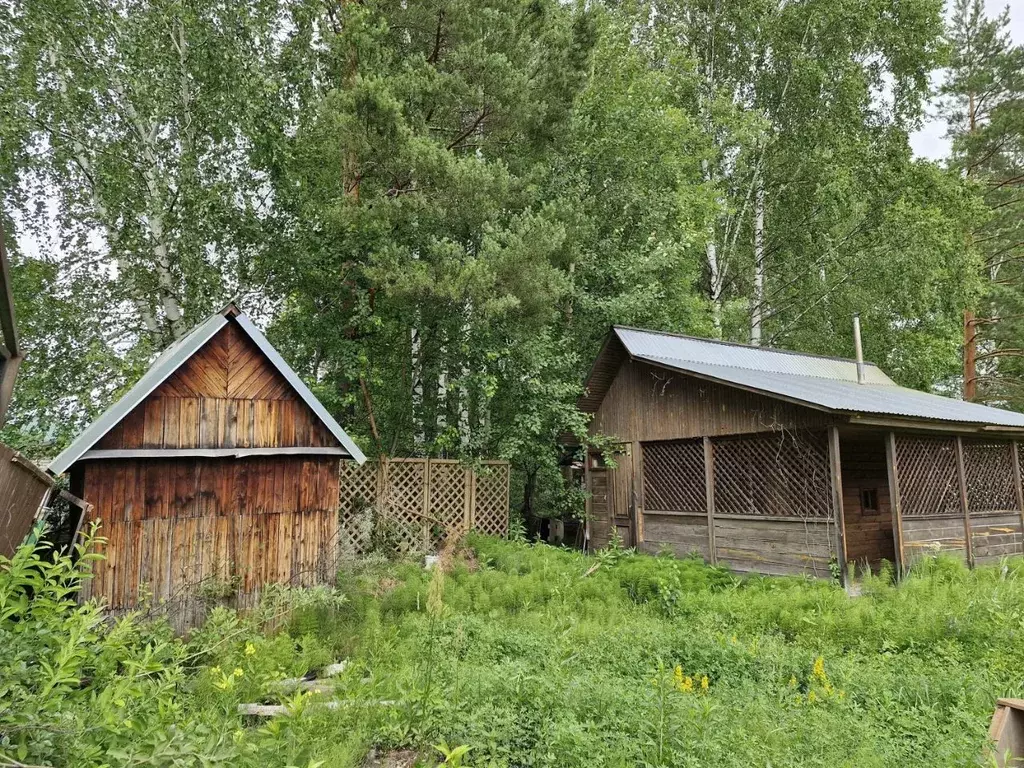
[(645, 402), (995, 535), (684, 533), (174, 525), (22, 492), (869, 536), (783, 547), (934, 535), (227, 395)]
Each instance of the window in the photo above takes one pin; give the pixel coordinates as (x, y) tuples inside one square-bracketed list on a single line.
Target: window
[(869, 501)]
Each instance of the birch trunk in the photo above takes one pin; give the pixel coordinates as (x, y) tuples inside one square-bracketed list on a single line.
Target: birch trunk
[(757, 307)]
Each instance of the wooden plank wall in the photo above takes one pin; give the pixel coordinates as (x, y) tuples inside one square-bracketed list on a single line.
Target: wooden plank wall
[(22, 492), (775, 546), (995, 535), (174, 524), (683, 533), (227, 395), (645, 402)]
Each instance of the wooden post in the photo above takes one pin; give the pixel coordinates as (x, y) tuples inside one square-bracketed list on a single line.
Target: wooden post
[(962, 477), (709, 495), (835, 465), (638, 491), (895, 507), (1018, 487), (426, 503), (467, 507)]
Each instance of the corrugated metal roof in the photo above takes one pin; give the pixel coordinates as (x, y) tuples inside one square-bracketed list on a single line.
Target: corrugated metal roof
[(173, 358), (690, 349), (828, 383)]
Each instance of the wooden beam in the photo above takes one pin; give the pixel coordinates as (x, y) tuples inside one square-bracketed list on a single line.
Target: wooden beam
[(1015, 455), (211, 453), (894, 501), (709, 495), (638, 491), (964, 506), (835, 467)]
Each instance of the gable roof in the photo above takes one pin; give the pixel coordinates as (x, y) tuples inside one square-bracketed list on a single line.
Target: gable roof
[(828, 383), (170, 360)]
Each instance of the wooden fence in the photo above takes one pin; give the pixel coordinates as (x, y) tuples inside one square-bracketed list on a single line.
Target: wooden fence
[(418, 503)]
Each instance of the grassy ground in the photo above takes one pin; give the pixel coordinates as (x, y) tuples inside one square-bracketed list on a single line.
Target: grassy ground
[(529, 656), (533, 658)]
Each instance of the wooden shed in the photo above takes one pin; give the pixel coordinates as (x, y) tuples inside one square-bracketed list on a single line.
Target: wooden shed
[(216, 473), (784, 463)]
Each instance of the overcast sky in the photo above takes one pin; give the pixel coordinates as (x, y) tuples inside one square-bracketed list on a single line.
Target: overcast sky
[(931, 140)]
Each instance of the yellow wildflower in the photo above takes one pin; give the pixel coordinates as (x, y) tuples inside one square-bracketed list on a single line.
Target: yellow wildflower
[(250, 649), (238, 672), (819, 669), (792, 681), (704, 683), (687, 685), (811, 697), (214, 670), (677, 676)]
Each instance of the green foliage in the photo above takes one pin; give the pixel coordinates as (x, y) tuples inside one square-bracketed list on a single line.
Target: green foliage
[(79, 689), (522, 655)]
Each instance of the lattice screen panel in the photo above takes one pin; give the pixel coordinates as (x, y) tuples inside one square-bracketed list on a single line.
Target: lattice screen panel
[(781, 474), (927, 474), (402, 496), (358, 489), (490, 499), (673, 476), (415, 502), (449, 490), (988, 470)]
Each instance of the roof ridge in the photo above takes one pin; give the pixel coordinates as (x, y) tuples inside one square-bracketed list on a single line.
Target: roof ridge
[(668, 359), (741, 345)]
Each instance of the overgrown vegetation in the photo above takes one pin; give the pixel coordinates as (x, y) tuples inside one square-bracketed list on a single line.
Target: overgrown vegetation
[(525, 655)]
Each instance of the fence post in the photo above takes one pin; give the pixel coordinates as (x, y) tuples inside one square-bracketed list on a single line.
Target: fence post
[(426, 503), (467, 511), (962, 476)]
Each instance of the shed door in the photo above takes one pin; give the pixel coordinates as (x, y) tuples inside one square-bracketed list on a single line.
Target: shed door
[(611, 497)]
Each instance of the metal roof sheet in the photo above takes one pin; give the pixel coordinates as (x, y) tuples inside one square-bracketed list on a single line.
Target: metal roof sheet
[(173, 358), (690, 349), (821, 382)]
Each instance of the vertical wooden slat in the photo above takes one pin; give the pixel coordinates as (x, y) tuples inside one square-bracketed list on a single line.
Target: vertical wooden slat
[(709, 496), (964, 506), (835, 465), (1015, 455), (426, 502), (894, 501)]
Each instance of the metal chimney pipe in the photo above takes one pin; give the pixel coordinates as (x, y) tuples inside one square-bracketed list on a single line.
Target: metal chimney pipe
[(860, 350)]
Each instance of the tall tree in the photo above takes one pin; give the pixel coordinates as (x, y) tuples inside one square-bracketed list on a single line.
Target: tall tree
[(984, 105)]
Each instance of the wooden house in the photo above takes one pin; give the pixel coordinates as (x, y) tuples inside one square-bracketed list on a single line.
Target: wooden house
[(216, 473), (776, 462)]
